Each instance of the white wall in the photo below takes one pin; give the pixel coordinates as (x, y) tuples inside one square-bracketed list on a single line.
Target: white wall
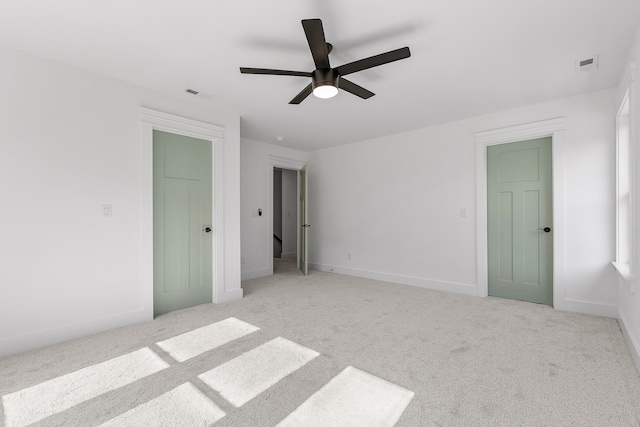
[(289, 213), (70, 141), (254, 181), (628, 291), (394, 203)]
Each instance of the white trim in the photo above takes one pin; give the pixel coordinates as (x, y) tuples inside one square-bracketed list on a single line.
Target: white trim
[(156, 120), (283, 163), (520, 132), (632, 344), (624, 270), (588, 307), (627, 80), (627, 268), (188, 127), (555, 128), (421, 282), (286, 163)]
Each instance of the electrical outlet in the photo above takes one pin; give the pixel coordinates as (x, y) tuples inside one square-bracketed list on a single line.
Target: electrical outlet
[(349, 256)]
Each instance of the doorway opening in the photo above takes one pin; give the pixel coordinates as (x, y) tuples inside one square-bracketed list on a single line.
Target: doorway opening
[(285, 220), (301, 242)]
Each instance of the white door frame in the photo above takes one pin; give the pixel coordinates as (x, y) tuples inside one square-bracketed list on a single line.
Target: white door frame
[(155, 120), (282, 163), (554, 128)]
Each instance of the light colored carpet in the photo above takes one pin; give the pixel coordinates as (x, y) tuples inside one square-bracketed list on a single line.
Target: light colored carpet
[(195, 342), (245, 377), (468, 361), (285, 265), (353, 398), (55, 395), (184, 405)]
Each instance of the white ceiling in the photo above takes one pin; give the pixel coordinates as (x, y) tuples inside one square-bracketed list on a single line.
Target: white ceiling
[(469, 57)]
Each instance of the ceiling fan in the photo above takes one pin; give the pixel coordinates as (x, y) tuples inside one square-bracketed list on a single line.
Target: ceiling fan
[(325, 80)]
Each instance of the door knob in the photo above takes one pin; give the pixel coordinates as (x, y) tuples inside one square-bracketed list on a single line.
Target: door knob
[(546, 229), (207, 229)]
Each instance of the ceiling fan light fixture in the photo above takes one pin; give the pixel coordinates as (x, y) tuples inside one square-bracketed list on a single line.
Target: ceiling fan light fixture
[(325, 91), (325, 83)]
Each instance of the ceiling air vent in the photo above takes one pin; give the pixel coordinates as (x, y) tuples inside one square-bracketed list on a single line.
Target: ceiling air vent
[(587, 64), (192, 92)]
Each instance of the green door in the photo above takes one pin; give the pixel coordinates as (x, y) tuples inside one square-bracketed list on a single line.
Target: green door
[(182, 234), (304, 232), (520, 216)]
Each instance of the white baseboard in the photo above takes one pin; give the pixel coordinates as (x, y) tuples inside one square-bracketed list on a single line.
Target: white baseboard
[(254, 274), (596, 309), (30, 341), (289, 255), (232, 295), (632, 344), (421, 282)]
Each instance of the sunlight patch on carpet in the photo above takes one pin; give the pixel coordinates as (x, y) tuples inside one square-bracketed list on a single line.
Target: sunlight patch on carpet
[(185, 405), (352, 398), (198, 341), (243, 378), (59, 394)]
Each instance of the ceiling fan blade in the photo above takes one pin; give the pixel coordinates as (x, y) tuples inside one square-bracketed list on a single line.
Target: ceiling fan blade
[(302, 95), (354, 89), (317, 43), (373, 61), (245, 70)]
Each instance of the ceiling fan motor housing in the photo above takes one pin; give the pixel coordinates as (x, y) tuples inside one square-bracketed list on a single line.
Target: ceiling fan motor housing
[(324, 77), (325, 81)]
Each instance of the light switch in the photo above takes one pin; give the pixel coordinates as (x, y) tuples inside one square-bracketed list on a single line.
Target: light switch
[(463, 212), (106, 210)]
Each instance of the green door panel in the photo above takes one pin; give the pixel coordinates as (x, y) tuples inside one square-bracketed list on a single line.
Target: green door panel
[(519, 198), (182, 254)]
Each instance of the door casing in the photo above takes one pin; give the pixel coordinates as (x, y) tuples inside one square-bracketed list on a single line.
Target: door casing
[(282, 163), (554, 128), (156, 120)]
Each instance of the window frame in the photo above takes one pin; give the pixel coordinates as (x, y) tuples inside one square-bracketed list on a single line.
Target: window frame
[(625, 178)]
